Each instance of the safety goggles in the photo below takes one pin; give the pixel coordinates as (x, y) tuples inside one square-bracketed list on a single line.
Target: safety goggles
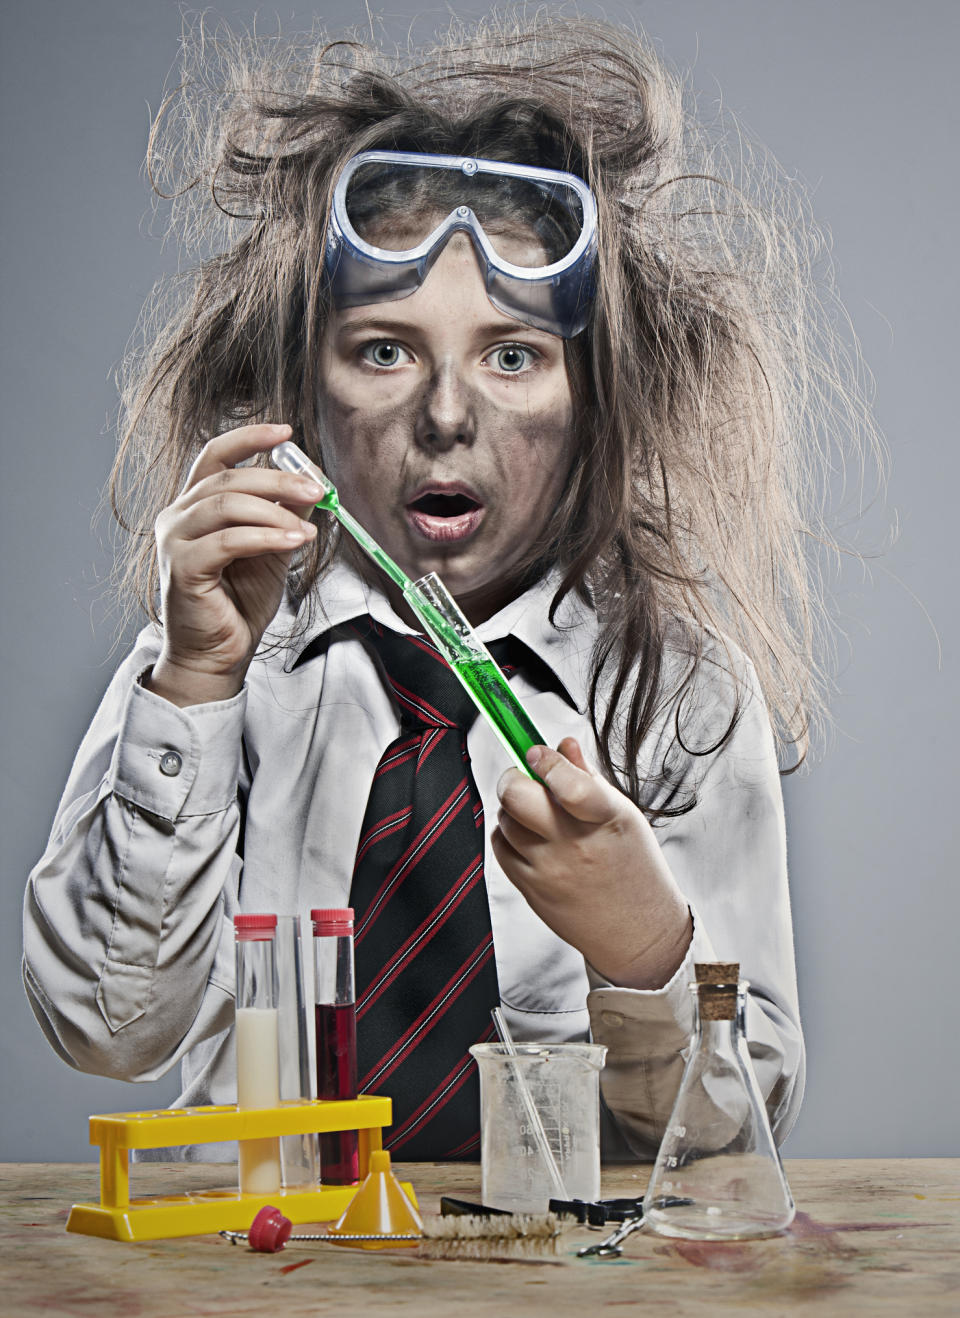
[(534, 232)]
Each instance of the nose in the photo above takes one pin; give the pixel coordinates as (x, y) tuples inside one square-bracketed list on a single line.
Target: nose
[(447, 414)]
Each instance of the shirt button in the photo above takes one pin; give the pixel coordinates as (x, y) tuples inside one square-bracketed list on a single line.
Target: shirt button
[(171, 764), (612, 1018)]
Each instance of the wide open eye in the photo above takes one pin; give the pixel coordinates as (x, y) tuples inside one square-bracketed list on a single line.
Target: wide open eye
[(385, 354), (512, 357)]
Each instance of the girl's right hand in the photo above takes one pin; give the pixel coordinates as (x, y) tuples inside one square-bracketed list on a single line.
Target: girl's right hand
[(224, 546)]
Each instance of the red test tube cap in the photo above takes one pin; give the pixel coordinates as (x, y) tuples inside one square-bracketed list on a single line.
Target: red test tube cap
[(333, 921), (251, 928), (269, 1230)]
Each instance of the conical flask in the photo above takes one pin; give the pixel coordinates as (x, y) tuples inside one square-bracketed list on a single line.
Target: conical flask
[(718, 1174)]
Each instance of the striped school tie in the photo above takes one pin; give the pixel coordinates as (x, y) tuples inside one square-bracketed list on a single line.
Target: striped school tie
[(426, 974)]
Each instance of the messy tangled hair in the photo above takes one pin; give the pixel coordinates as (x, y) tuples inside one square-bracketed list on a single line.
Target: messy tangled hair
[(704, 388)]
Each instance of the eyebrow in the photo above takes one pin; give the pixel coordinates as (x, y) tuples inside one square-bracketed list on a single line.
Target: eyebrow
[(505, 328)]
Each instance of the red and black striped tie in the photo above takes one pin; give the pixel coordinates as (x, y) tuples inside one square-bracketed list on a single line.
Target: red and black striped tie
[(426, 974)]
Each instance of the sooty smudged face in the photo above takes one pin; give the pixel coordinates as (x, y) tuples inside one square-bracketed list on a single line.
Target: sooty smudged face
[(448, 429)]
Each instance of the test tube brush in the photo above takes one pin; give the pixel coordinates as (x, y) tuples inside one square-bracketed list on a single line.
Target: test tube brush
[(380, 1216), (476, 1238)]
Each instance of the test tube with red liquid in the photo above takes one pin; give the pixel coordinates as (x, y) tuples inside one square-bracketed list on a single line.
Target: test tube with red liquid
[(336, 1016)]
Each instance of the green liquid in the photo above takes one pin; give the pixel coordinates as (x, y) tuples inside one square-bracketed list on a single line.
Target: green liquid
[(331, 502), (491, 693), (486, 685)]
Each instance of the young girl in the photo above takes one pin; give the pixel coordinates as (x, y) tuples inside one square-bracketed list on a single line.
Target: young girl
[(582, 391)]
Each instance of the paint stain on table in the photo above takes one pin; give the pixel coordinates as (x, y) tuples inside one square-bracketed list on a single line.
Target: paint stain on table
[(719, 1255), (810, 1266), (292, 1267)]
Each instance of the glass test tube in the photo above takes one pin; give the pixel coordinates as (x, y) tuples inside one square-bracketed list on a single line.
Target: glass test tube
[(442, 620), (258, 1068), (298, 1153), (336, 1017), (475, 666)]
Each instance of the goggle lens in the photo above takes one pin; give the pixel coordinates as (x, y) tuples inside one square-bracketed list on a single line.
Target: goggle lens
[(527, 223)]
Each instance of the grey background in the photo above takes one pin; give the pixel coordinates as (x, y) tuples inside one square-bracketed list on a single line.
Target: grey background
[(855, 97)]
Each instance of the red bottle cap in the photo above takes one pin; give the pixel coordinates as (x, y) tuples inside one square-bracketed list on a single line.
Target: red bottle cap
[(338, 920), (250, 928), (269, 1231)]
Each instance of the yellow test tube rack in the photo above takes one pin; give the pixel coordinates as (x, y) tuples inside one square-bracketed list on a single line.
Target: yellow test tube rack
[(199, 1212)]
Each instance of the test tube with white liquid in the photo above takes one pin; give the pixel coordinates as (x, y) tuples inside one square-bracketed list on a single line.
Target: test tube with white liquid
[(258, 1066)]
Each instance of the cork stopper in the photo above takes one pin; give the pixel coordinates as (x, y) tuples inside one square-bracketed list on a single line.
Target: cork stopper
[(717, 985)]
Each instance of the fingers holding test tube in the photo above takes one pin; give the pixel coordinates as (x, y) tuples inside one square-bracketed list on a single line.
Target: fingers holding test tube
[(224, 546), (587, 862)]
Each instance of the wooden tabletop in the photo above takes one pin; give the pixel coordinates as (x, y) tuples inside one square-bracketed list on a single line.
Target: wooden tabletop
[(871, 1237)]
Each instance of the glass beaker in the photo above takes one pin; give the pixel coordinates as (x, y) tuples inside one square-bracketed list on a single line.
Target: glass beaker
[(562, 1081), (718, 1174)]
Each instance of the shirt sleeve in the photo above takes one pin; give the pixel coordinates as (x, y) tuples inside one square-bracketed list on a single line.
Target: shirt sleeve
[(728, 856), (127, 951)]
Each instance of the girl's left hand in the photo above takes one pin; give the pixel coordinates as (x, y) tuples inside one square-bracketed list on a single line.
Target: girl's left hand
[(587, 862)]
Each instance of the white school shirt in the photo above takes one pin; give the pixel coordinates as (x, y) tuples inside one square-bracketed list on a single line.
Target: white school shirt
[(173, 820)]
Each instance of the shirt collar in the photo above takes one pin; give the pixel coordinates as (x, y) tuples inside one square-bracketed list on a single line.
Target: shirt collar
[(565, 645)]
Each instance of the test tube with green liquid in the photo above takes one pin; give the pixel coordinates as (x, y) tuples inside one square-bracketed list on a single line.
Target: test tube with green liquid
[(471, 661)]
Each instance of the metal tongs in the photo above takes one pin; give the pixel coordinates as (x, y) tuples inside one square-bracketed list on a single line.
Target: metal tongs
[(611, 1247)]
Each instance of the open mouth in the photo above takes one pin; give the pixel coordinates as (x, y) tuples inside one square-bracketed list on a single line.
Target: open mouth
[(444, 505), (439, 516)]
